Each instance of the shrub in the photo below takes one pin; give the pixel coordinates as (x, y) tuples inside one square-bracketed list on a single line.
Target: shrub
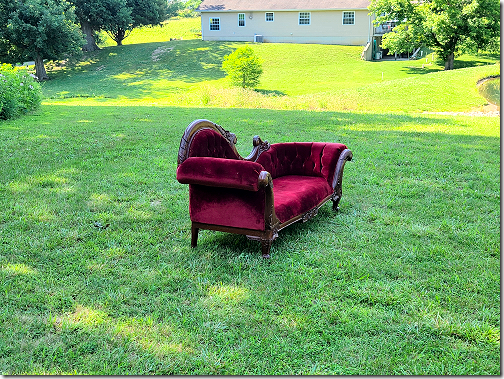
[(19, 91), (243, 67)]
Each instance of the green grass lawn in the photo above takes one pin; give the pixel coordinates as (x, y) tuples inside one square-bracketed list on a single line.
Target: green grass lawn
[(404, 279)]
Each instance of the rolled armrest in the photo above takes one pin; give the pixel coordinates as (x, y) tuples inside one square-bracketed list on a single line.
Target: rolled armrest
[(222, 172)]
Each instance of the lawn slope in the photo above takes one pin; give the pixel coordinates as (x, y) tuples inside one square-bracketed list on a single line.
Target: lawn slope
[(327, 77)]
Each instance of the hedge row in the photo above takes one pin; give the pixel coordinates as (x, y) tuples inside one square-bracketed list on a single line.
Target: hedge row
[(19, 91)]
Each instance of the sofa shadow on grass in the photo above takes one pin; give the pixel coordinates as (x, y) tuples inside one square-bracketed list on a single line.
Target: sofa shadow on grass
[(225, 246)]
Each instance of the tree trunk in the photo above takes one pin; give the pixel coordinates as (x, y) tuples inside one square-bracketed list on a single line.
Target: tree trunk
[(449, 62), (119, 37), (40, 70), (90, 40)]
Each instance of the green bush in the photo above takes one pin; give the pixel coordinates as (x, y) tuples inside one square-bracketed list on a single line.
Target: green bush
[(243, 67), (19, 91)]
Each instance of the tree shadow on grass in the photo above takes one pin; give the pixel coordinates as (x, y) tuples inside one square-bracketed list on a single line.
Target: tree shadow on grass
[(421, 70), (457, 64), (273, 93), (196, 60), (141, 68)]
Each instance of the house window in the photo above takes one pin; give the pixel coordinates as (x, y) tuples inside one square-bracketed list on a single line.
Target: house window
[(214, 23), (270, 16), (349, 18), (304, 18), (241, 19)]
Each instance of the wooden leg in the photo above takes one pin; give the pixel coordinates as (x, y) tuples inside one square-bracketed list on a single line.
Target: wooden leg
[(265, 243), (266, 246), (335, 203), (194, 236)]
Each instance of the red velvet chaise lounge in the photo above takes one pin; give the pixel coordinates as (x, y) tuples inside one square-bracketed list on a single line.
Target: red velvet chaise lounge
[(275, 186)]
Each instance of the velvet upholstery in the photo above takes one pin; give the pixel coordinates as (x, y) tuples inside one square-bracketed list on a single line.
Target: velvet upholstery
[(260, 195), (209, 143), (302, 158), (220, 172), (227, 206), (296, 194), (302, 178)]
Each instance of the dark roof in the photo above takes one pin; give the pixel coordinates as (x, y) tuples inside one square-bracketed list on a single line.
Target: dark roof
[(280, 5)]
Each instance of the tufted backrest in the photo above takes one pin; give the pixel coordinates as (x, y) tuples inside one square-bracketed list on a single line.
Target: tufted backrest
[(209, 143), (302, 158)]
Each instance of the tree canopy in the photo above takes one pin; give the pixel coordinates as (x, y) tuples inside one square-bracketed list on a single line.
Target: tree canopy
[(133, 14), (449, 27), (92, 15), (37, 30), (118, 17), (243, 67)]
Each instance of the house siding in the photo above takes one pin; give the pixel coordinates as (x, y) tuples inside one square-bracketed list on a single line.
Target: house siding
[(326, 27)]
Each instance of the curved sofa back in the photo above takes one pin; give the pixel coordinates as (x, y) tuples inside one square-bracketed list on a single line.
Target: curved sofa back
[(209, 143), (302, 158)]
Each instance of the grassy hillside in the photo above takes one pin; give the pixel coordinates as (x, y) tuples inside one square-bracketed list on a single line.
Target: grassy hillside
[(187, 72)]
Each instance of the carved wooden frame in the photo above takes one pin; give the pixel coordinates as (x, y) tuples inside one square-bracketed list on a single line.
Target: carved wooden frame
[(272, 224), (196, 126)]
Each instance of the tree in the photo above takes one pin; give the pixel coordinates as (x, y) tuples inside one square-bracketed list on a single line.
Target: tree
[(117, 17), (243, 67), (449, 27), (37, 30), (402, 40), (185, 9), (92, 15), (118, 22), (133, 14)]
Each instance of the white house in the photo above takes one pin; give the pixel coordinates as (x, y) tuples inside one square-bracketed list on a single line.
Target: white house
[(340, 22)]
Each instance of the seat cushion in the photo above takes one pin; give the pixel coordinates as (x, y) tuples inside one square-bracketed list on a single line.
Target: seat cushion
[(295, 194)]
